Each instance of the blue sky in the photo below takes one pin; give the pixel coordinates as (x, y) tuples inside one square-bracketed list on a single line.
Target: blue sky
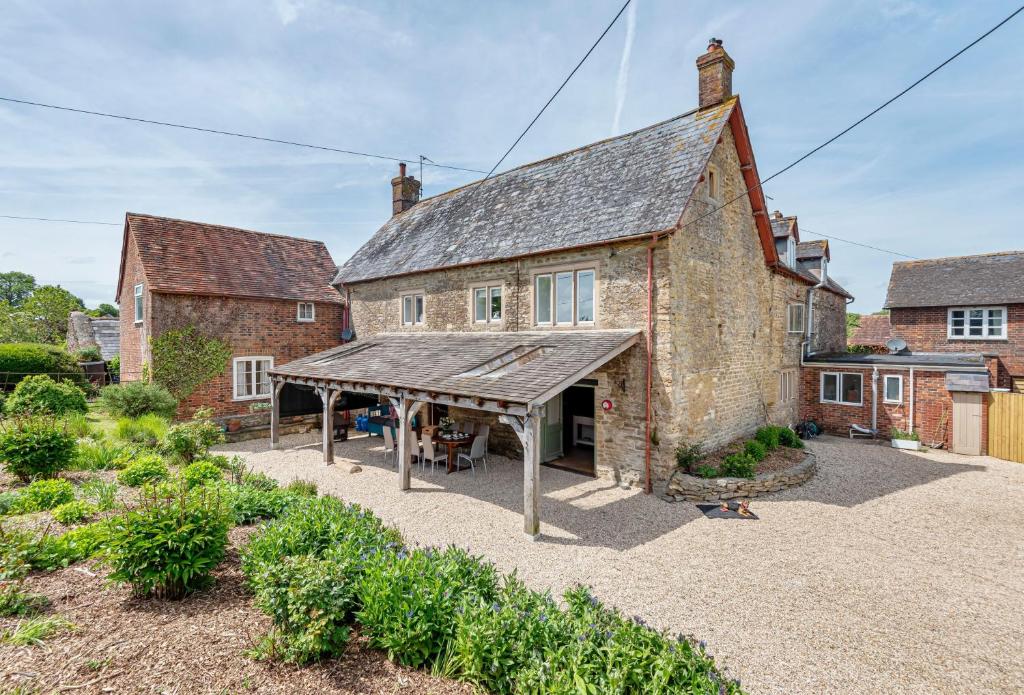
[(939, 173)]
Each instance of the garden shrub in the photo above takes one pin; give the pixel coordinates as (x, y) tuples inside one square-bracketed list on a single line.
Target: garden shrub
[(305, 488), (98, 456), (407, 605), (769, 436), (755, 450), (249, 504), (688, 455), (789, 438), (706, 471), (8, 500), (44, 494), (22, 359), (738, 466), (200, 473), (74, 512), (191, 440), (168, 546), (145, 430), (35, 447), (100, 493), (137, 398), (41, 395), (20, 547), (78, 425), (260, 481), (15, 602), (90, 353), (148, 468)]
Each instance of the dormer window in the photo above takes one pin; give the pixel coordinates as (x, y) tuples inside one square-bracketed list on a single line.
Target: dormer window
[(713, 184)]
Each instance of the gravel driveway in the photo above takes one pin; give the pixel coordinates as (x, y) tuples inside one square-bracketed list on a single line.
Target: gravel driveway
[(889, 572)]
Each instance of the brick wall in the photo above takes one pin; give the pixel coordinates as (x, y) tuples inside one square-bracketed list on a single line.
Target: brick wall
[(253, 327), (925, 330), (134, 342)]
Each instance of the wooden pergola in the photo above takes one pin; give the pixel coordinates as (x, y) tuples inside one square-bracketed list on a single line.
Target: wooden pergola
[(511, 374)]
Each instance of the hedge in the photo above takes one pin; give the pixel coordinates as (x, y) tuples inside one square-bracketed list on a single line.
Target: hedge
[(18, 360)]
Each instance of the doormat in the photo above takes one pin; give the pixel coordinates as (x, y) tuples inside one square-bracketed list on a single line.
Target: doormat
[(715, 511)]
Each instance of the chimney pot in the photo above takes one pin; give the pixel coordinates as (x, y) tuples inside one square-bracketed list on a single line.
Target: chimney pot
[(405, 191), (714, 75)]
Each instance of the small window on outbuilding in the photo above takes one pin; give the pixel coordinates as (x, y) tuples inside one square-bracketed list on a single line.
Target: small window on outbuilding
[(306, 312), (138, 303), (893, 391), (844, 388), (713, 183)]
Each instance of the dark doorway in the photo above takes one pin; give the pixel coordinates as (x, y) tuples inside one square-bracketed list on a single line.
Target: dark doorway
[(578, 434)]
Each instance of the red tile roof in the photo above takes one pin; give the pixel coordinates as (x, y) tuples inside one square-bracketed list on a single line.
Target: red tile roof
[(874, 329), (184, 257)]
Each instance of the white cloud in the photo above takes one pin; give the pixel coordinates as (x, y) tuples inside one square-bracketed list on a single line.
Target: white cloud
[(287, 10), (622, 82)]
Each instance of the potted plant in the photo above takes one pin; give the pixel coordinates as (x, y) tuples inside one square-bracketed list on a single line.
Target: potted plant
[(905, 440), (447, 425), (234, 424)]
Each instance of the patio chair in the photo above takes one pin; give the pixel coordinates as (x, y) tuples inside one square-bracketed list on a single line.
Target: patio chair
[(467, 427), (414, 445), (429, 455), (476, 453), (484, 433), (390, 449)]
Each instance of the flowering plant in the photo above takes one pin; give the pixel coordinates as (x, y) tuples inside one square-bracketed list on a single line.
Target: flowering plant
[(447, 424)]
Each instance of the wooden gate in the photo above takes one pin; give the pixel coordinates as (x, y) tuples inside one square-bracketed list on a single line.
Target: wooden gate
[(1006, 426)]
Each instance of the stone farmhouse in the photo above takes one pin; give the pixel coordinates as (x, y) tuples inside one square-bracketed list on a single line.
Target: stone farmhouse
[(596, 308), (268, 296), (958, 324)]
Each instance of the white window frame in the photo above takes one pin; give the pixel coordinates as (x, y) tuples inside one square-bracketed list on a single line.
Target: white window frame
[(714, 184), (552, 274), (791, 251), (139, 304), (312, 312), (885, 388), (839, 388), (787, 385), (986, 335), (413, 295), (234, 377), (488, 289), (789, 317)]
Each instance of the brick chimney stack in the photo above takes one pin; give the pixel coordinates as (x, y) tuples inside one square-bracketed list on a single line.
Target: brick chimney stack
[(405, 191), (714, 71)]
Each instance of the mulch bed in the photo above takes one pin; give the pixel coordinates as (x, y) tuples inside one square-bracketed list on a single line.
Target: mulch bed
[(123, 644), (779, 460)]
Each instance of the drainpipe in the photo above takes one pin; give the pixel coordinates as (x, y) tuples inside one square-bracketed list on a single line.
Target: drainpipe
[(874, 400), (650, 363), (911, 400)]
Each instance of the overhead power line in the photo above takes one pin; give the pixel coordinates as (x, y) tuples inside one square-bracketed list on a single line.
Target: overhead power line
[(233, 134), (857, 243), (560, 88), (50, 219)]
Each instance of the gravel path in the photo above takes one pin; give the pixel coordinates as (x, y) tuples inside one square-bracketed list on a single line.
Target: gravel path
[(888, 572)]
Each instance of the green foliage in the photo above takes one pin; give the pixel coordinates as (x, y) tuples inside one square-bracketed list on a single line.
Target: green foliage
[(249, 504), (8, 502), (146, 430), (897, 433), (16, 287), (114, 365), (260, 481), (44, 494), (789, 438), (41, 395), (706, 471), (188, 441), (755, 450), (21, 549), (99, 456), (104, 309), (137, 398), (147, 468), (183, 359), (200, 473), (738, 466), (75, 512), (15, 602), (769, 436), (18, 360), (101, 494), (305, 488), (688, 455), (852, 322), (90, 353), (48, 308), (78, 425), (168, 546), (35, 447), (32, 631)]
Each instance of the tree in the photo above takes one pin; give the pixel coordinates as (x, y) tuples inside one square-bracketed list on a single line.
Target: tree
[(16, 287), (852, 321), (105, 310), (48, 309), (15, 326)]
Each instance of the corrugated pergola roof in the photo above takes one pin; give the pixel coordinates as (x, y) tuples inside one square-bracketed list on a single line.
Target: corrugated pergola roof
[(488, 370)]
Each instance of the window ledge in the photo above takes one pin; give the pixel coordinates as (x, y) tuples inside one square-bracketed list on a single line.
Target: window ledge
[(852, 405), (252, 398)]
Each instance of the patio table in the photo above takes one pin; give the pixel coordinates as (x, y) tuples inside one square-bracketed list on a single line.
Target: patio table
[(452, 445)]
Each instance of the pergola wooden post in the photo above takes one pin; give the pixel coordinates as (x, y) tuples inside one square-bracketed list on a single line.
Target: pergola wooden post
[(329, 397), (528, 430), (275, 414), (407, 409)]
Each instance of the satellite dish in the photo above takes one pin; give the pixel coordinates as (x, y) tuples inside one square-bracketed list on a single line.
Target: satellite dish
[(896, 345), (348, 334)]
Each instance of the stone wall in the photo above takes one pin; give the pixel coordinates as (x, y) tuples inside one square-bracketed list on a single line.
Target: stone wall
[(689, 488), (253, 328)]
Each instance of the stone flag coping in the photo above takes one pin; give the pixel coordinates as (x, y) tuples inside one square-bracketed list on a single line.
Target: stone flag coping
[(683, 487)]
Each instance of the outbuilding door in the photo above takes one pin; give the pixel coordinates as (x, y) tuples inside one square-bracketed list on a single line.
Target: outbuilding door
[(967, 423)]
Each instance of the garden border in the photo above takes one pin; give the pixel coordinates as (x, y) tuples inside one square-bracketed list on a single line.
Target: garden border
[(683, 487)]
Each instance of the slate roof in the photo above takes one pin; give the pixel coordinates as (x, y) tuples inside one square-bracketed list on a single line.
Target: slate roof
[(966, 360), (86, 331), (782, 226), (439, 362), (991, 278), (874, 330), (625, 186), (812, 249), (207, 259)]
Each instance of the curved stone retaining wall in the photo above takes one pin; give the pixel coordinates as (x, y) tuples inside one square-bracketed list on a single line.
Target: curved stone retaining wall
[(689, 488)]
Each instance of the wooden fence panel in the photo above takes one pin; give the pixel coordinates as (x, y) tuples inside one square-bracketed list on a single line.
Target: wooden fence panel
[(1006, 426)]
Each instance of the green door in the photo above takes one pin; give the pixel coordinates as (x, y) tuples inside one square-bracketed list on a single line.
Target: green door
[(551, 431)]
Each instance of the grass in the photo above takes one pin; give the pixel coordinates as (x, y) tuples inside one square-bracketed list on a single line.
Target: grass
[(100, 420), (32, 631)]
